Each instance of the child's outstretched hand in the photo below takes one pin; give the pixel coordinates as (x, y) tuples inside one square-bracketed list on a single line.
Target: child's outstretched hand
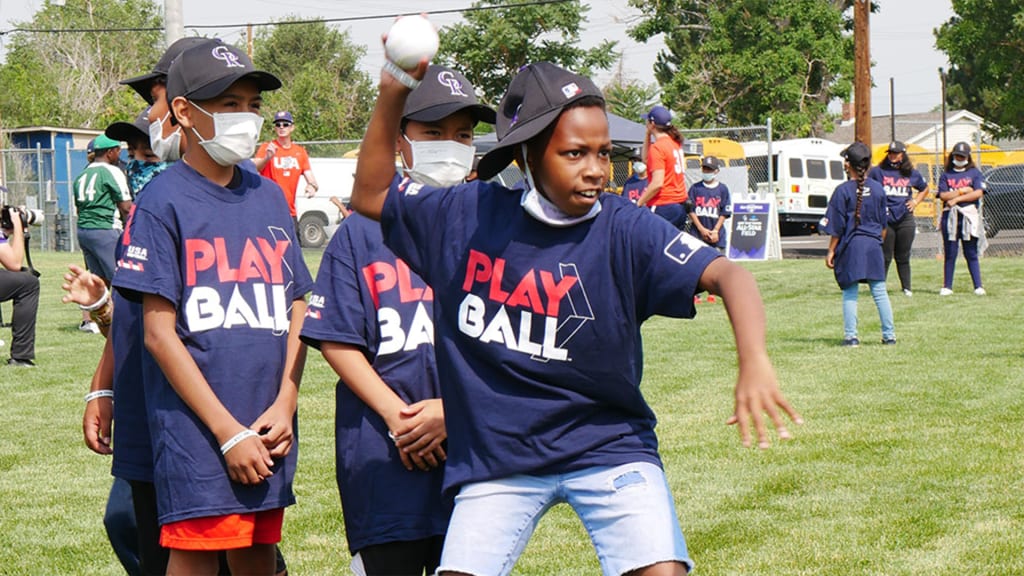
[(757, 392), (82, 287)]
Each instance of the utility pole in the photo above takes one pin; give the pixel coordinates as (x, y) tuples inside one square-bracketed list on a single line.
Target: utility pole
[(248, 40), (862, 71), (942, 78), (174, 25)]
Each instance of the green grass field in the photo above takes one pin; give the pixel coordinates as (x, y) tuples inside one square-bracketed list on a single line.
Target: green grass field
[(911, 460)]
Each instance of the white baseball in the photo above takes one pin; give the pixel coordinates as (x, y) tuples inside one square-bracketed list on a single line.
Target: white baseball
[(410, 40)]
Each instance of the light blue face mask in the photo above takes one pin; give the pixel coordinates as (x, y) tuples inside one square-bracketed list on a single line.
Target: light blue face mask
[(707, 176)]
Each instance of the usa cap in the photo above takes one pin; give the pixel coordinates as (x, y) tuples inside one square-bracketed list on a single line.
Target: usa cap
[(441, 93), (857, 154), (659, 115), (130, 131), (283, 116), (535, 98), (962, 149), (205, 71), (142, 84)]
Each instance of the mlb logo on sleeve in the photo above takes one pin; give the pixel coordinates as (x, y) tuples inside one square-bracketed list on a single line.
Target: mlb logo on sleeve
[(682, 247)]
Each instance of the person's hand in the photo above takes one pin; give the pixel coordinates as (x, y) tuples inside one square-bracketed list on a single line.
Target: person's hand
[(248, 461), (271, 150), (757, 392), (830, 259), (713, 236), (82, 287), (275, 429), (310, 191), (99, 413), (421, 432)]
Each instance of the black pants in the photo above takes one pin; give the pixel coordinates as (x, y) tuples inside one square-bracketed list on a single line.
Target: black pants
[(413, 557), (899, 240), (23, 288)]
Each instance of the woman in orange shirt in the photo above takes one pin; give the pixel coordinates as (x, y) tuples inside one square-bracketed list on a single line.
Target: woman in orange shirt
[(666, 191)]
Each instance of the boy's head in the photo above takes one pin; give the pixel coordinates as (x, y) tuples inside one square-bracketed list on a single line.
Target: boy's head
[(436, 137), (136, 134), (553, 123), (214, 93), (709, 168), (106, 149)]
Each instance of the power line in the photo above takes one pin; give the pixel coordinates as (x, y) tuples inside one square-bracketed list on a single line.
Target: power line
[(282, 23)]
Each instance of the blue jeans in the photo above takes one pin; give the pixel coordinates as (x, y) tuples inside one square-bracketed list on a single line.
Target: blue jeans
[(627, 510), (881, 297), (119, 520)]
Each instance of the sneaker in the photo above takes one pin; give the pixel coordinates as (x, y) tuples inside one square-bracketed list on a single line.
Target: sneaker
[(946, 292), (908, 293), (712, 299), (889, 341), (851, 342), (89, 327), (979, 291), (23, 363)]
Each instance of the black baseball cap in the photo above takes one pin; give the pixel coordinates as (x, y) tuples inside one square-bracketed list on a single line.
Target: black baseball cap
[(441, 93), (711, 162), (205, 71), (535, 98), (143, 84), (897, 146), (856, 154), (962, 149), (128, 132)]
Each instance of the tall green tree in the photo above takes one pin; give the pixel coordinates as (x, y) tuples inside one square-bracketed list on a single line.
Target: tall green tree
[(984, 41), (493, 44), (71, 78), (323, 87), (630, 98), (736, 62)]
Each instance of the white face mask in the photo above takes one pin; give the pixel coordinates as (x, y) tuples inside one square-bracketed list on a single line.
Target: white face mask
[(234, 136), (167, 149), (959, 163), (639, 168), (707, 176), (440, 163)]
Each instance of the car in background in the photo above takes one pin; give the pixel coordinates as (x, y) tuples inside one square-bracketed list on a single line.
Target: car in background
[(1004, 199), (318, 217)]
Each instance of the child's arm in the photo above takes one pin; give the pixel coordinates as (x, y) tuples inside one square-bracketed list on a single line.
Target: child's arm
[(376, 165), (830, 258), (275, 424), (99, 409), (757, 389), (248, 461), (407, 426)]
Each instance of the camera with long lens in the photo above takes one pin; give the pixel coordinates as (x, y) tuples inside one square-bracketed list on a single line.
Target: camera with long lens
[(28, 216)]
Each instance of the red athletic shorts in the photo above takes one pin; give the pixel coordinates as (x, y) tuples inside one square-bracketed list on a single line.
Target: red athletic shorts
[(224, 532)]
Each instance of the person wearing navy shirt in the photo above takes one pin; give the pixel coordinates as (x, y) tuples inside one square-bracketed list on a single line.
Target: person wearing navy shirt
[(905, 188), (634, 186), (961, 187), (709, 204), (539, 295), (856, 219), (212, 255), (371, 317)]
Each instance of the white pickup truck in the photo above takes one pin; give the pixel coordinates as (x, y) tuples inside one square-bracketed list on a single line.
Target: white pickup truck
[(318, 216)]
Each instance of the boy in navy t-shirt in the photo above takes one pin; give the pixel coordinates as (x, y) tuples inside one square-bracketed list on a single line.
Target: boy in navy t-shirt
[(368, 306), (708, 205), (212, 255), (537, 293)]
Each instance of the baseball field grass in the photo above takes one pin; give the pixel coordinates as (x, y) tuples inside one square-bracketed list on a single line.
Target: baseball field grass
[(911, 460)]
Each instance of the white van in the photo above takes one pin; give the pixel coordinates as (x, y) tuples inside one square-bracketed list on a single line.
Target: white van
[(805, 172), (318, 216)]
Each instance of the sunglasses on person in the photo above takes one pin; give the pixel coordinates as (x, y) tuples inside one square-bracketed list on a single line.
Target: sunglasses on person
[(282, 124)]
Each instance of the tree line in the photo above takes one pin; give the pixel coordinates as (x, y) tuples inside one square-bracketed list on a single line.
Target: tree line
[(725, 62)]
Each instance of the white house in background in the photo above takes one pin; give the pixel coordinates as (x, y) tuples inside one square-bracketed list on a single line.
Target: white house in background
[(923, 129)]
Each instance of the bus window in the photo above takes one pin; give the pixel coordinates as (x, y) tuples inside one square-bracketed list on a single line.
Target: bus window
[(836, 168), (816, 169), (738, 162), (693, 163), (796, 168), (757, 169)]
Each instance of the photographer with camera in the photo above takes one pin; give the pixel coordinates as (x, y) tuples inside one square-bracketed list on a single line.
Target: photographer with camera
[(19, 284)]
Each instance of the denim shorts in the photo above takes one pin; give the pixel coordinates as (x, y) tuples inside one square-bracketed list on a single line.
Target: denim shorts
[(627, 510)]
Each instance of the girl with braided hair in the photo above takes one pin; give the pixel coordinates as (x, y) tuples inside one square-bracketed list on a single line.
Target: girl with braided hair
[(856, 220)]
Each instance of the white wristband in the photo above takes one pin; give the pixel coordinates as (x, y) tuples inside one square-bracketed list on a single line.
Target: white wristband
[(400, 75), (99, 394), (236, 439), (99, 303)]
